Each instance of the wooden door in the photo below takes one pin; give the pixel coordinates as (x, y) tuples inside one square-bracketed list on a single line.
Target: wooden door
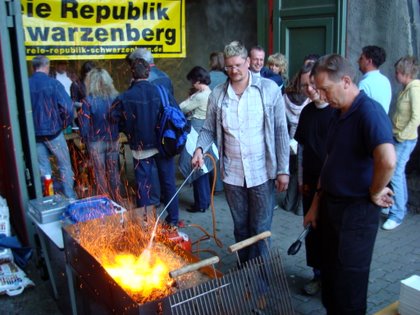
[(302, 27)]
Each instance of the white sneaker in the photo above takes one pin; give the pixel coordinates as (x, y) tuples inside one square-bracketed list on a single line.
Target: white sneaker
[(385, 212), (390, 225)]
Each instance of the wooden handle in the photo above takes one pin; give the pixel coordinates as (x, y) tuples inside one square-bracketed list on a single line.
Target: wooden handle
[(193, 267), (249, 241)]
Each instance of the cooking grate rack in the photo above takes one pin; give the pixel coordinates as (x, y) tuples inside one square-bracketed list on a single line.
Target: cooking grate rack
[(259, 286)]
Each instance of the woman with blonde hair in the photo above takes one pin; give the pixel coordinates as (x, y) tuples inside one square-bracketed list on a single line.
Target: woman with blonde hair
[(404, 127), (278, 64), (99, 133)]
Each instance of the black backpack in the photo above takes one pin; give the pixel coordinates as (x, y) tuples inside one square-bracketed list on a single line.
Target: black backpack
[(172, 128)]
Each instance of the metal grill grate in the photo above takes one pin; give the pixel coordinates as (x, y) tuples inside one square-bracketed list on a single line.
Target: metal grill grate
[(259, 287)]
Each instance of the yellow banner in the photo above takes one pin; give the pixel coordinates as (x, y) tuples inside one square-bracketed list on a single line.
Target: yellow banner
[(103, 29)]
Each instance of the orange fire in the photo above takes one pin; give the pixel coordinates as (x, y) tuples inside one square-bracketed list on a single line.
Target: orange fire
[(122, 248), (138, 275)]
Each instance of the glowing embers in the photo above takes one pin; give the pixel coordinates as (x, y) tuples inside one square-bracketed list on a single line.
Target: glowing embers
[(138, 276), (117, 243)]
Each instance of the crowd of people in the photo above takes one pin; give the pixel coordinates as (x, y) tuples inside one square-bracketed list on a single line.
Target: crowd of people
[(321, 138)]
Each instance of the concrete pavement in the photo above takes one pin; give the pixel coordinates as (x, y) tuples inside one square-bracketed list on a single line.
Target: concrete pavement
[(396, 257)]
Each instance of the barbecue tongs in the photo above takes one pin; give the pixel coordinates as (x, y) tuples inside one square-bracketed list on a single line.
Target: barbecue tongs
[(294, 248)]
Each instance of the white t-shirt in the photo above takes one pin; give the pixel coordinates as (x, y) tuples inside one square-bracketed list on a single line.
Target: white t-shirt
[(64, 80)]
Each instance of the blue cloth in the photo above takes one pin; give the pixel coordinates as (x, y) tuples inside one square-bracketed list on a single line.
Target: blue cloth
[(351, 139), (252, 213), (94, 120), (21, 255), (398, 210), (267, 73), (58, 147), (89, 208), (52, 108), (136, 110), (378, 87), (145, 171)]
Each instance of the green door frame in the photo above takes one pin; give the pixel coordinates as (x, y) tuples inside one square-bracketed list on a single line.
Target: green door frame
[(339, 11), (263, 22)]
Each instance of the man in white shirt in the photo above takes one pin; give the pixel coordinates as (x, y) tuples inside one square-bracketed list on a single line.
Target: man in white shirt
[(373, 82), (246, 116), (256, 65), (62, 76)]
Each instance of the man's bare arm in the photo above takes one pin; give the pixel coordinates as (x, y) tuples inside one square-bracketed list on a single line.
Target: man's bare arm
[(384, 160)]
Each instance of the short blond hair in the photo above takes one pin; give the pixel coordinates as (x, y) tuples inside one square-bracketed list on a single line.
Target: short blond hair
[(234, 49), (279, 60), (407, 65)]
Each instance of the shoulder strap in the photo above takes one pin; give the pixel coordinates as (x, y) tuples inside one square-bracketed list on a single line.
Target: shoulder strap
[(163, 95)]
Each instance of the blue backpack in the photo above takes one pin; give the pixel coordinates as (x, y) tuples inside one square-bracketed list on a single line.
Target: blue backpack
[(172, 128)]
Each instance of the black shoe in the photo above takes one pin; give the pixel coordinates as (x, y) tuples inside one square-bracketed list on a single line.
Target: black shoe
[(194, 210)]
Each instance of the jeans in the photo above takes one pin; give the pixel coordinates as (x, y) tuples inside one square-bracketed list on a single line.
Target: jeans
[(312, 240), (348, 228), (252, 213), (201, 186), (104, 156), (145, 173), (398, 181), (58, 148)]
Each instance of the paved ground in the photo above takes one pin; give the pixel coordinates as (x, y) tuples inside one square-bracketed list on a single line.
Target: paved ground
[(396, 256)]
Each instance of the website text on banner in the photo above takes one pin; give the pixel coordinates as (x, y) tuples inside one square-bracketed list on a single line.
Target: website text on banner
[(103, 29)]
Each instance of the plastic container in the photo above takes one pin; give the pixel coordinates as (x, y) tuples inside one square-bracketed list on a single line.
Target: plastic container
[(48, 186), (89, 208)]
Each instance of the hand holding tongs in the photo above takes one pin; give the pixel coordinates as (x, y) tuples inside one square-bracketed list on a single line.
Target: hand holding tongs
[(294, 248)]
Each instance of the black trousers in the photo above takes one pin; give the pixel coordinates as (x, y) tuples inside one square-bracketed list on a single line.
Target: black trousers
[(313, 239), (348, 231)]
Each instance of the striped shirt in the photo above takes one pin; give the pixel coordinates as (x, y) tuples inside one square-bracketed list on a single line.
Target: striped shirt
[(243, 125)]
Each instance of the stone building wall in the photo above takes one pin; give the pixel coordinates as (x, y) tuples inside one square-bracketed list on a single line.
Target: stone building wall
[(210, 25)]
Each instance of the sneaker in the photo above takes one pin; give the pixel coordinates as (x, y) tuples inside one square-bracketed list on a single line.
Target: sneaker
[(390, 225), (385, 212), (312, 287), (195, 210)]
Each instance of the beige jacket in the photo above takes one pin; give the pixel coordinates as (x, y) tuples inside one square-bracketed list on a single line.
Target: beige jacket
[(407, 113), (196, 104)]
